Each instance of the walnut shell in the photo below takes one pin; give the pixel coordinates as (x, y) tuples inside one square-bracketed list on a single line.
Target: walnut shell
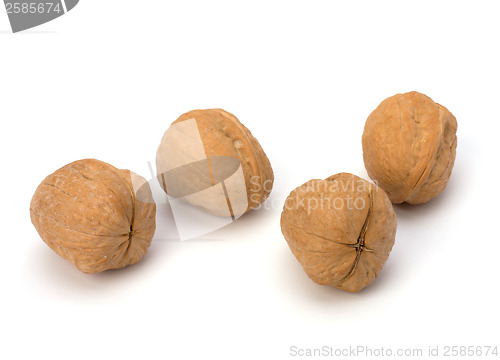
[(409, 146), (341, 230), (95, 215), (209, 159)]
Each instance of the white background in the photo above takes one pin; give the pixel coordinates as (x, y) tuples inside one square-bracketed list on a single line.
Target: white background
[(107, 79)]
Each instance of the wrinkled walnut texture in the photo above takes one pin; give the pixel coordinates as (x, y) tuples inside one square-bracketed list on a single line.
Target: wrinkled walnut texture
[(340, 242), (88, 213), (223, 136), (409, 147)]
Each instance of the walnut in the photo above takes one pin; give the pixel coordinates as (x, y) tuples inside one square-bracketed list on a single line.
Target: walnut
[(95, 215), (341, 230), (210, 160), (409, 146)]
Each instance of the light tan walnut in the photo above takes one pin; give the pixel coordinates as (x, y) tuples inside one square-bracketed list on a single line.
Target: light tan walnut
[(95, 215), (409, 146), (341, 230), (210, 160)]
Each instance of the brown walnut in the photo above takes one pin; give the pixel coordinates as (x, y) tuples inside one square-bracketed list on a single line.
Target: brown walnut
[(341, 230), (409, 146), (211, 160), (95, 215)]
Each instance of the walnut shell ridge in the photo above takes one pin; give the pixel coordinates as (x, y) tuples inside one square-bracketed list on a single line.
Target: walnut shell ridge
[(209, 159), (409, 147), (95, 215), (341, 230)]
